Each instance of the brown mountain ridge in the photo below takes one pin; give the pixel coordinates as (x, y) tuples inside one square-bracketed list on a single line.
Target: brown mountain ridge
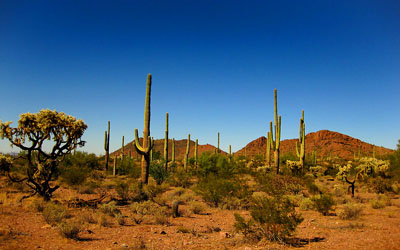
[(324, 142)]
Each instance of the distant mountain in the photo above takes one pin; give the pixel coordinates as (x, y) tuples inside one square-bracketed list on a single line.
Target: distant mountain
[(324, 142), (180, 148)]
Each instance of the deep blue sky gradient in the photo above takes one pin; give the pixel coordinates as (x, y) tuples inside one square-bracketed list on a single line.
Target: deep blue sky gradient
[(214, 65)]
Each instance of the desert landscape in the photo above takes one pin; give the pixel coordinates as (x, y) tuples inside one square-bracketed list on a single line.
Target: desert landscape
[(177, 125)]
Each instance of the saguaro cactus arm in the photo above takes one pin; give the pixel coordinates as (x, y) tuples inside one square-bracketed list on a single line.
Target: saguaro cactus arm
[(141, 150)]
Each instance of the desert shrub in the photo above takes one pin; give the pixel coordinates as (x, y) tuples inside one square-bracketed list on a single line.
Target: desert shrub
[(110, 208), (306, 204), (350, 211), (122, 189), (54, 213), (339, 191), (39, 205), (279, 184), (312, 187), (128, 166), (70, 230), (120, 219), (196, 207), (380, 185), (381, 202), (137, 218), (74, 176), (147, 208), (104, 221), (396, 188), (152, 189), (161, 219), (158, 172), (81, 159), (180, 178), (273, 218), (87, 217), (214, 189), (323, 203), (183, 230), (232, 203)]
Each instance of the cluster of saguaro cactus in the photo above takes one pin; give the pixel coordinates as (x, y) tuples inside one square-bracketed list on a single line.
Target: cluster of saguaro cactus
[(107, 145), (301, 149), (275, 143), (185, 163), (147, 143), (166, 142)]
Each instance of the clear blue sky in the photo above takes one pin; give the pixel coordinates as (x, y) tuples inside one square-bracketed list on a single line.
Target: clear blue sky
[(215, 65)]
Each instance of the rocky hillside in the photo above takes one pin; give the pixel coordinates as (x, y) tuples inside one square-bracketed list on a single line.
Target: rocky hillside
[(324, 142), (180, 149)]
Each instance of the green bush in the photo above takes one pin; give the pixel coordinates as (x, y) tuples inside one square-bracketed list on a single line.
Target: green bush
[(180, 178), (110, 208), (306, 204), (74, 176), (54, 213), (127, 166), (158, 172), (273, 218), (196, 207), (350, 211), (70, 230), (214, 189), (323, 203), (122, 189)]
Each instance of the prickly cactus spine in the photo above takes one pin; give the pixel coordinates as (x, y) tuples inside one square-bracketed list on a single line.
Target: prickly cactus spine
[(145, 149)]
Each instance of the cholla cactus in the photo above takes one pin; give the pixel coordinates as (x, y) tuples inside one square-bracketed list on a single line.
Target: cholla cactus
[(366, 167)]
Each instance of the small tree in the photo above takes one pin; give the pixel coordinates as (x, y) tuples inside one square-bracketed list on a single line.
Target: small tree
[(366, 167), (33, 131)]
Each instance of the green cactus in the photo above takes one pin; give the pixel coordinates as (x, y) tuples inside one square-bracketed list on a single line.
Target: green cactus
[(196, 151), (275, 143), (147, 145), (107, 145), (151, 150), (268, 152), (230, 150), (166, 142), (173, 150), (122, 148), (301, 149), (314, 155), (185, 163)]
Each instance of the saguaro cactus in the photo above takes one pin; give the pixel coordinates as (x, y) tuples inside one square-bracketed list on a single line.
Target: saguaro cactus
[(185, 163), (230, 150), (147, 145), (122, 148), (268, 151), (107, 145), (166, 142), (275, 143), (196, 150), (301, 149), (173, 150), (151, 150)]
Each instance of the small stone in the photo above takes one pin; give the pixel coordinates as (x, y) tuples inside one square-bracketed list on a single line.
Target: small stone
[(247, 248), (46, 226), (224, 235), (163, 232), (124, 245), (115, 243)]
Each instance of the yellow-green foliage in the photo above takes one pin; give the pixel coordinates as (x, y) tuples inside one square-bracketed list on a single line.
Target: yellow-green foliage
[(350, 211), (381, 202), (54, 213)]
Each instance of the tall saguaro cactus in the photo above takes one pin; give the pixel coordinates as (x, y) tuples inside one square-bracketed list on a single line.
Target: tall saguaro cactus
[(275, 143), (268, 151), (145, 149), (166, 142), (301, 153), (107, 145), (196, 151), (185, 162)]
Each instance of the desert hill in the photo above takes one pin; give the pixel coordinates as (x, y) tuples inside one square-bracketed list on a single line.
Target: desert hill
[(324, 142), (180, 148)]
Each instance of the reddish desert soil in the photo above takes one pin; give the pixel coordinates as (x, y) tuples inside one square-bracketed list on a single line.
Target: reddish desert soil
[(21, 227)]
